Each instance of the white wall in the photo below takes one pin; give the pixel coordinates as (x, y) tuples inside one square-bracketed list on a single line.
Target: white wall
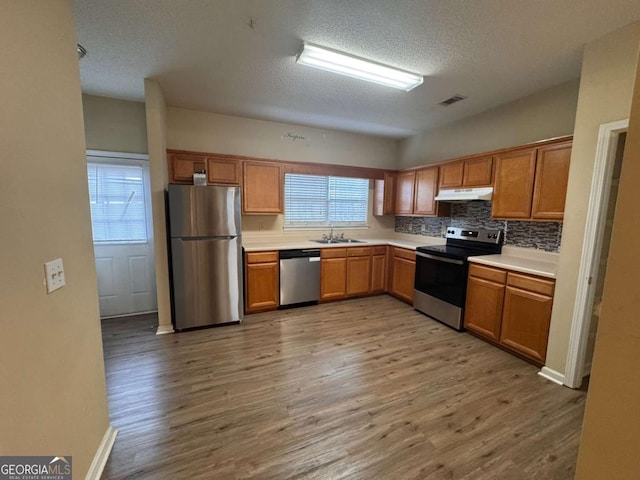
[(114, 125), (211, 132), (53, 397), (606, 88), (546, 114), (156, 111)]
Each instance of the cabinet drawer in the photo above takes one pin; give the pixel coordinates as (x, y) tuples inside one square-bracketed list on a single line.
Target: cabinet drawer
[(359, 252), (488, 273), (532, 284), (333, 253), (404, 253), (262, 257), (379, 250)]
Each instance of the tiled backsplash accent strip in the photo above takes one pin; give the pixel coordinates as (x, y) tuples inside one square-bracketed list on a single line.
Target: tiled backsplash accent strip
[(540, 235)]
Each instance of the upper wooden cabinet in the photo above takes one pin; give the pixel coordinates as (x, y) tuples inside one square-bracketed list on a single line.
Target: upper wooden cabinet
[(451, 174), (224, 171), (262, 191), (384, 195), (472, 172), (514, 184), (531, 184), (425, 191), (416, 191), (405, 182), (550, 186), (219, 170), (182, 167), (478, 172)]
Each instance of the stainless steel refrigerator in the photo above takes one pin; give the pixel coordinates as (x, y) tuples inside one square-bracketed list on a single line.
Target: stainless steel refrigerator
[(206, 255)]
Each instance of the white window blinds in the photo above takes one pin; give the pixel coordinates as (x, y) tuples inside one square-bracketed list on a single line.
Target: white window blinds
[(116, 195), (317, 201)]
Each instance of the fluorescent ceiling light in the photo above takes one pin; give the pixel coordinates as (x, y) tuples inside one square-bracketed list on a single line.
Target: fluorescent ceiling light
[(345, 64)]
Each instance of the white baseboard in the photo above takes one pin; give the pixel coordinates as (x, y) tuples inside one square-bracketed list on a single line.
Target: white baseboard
[(552, 375), (162, 329), (102, 454)]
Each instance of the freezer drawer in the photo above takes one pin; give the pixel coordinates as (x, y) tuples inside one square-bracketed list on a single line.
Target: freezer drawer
[(207, 281)]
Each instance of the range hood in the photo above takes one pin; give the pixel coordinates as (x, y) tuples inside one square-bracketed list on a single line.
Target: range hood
[(464, 194)]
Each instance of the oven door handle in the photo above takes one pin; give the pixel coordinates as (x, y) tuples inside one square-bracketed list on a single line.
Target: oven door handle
[(440, 259)]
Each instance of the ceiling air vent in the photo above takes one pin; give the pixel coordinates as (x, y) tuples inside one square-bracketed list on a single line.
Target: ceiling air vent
[(452, 100)]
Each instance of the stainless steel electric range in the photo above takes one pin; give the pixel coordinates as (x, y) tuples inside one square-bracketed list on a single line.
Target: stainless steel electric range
[(441, 272)]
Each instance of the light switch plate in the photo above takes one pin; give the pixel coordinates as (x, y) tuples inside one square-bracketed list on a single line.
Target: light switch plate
[(54, 274)]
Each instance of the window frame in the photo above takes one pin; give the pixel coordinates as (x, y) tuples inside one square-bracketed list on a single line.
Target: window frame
[(327, 223), (139, 160)]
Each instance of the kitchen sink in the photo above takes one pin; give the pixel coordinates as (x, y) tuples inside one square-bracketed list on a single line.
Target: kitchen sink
[(341, 240)]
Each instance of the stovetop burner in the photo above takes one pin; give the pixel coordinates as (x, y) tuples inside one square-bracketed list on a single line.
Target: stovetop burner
[(463, 243)]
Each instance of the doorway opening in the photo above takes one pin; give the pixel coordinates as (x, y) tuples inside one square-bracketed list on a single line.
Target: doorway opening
[(120, 200), (595, 250)]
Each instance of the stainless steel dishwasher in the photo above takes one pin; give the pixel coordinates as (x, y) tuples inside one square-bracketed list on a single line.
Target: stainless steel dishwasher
[(299, 276)]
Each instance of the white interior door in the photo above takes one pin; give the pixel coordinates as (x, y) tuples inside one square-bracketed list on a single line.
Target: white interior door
[(120, 201)]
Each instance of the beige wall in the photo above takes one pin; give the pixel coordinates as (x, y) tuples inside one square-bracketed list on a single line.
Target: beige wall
[(53, 399), (611, 430), (156, 112), (210, 132), (114, 125), (546, 114), (606, 87)]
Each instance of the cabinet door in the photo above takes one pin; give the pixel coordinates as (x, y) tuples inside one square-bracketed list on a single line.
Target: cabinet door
[(483, 309), (224, 171), (333, 278), (378, 273), (384, 195), (403, 278), (182, 167), (525, 322), (552, 175), (451, 174), (514, 184), (358, 275), (478, 172), (404, 193), (425, 191), (262, 286), (262, 189)]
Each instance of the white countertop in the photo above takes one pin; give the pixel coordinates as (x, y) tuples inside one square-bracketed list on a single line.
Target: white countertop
[(256, 245), (522, 260)]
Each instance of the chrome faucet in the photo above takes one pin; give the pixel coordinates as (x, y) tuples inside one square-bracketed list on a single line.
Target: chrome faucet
[(331, 232)]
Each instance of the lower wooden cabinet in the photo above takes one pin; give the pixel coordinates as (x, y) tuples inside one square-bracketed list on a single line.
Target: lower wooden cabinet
[(510, 309), (262, 281), (379, 270), (333, 273), (483, 311), (402, 272), (526, 315), (358, 271)]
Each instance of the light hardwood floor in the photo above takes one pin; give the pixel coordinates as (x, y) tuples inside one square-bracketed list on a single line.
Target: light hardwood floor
[(360, 389)]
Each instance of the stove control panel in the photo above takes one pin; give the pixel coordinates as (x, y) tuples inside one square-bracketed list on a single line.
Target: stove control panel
[(475, 235)]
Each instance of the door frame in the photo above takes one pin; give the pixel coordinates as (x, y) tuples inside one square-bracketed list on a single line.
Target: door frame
[(591, 249), (134, 157)]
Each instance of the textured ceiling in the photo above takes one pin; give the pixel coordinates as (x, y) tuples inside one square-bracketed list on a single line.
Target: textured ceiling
[(237, 57)]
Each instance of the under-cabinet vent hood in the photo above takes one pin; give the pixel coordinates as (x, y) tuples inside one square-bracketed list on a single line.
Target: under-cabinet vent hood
[(464, 194)]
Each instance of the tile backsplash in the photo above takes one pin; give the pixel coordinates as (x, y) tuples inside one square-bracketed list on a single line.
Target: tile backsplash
[(540, 235)]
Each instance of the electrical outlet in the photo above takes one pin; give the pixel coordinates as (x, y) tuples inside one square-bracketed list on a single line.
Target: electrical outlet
[(54, 275)]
